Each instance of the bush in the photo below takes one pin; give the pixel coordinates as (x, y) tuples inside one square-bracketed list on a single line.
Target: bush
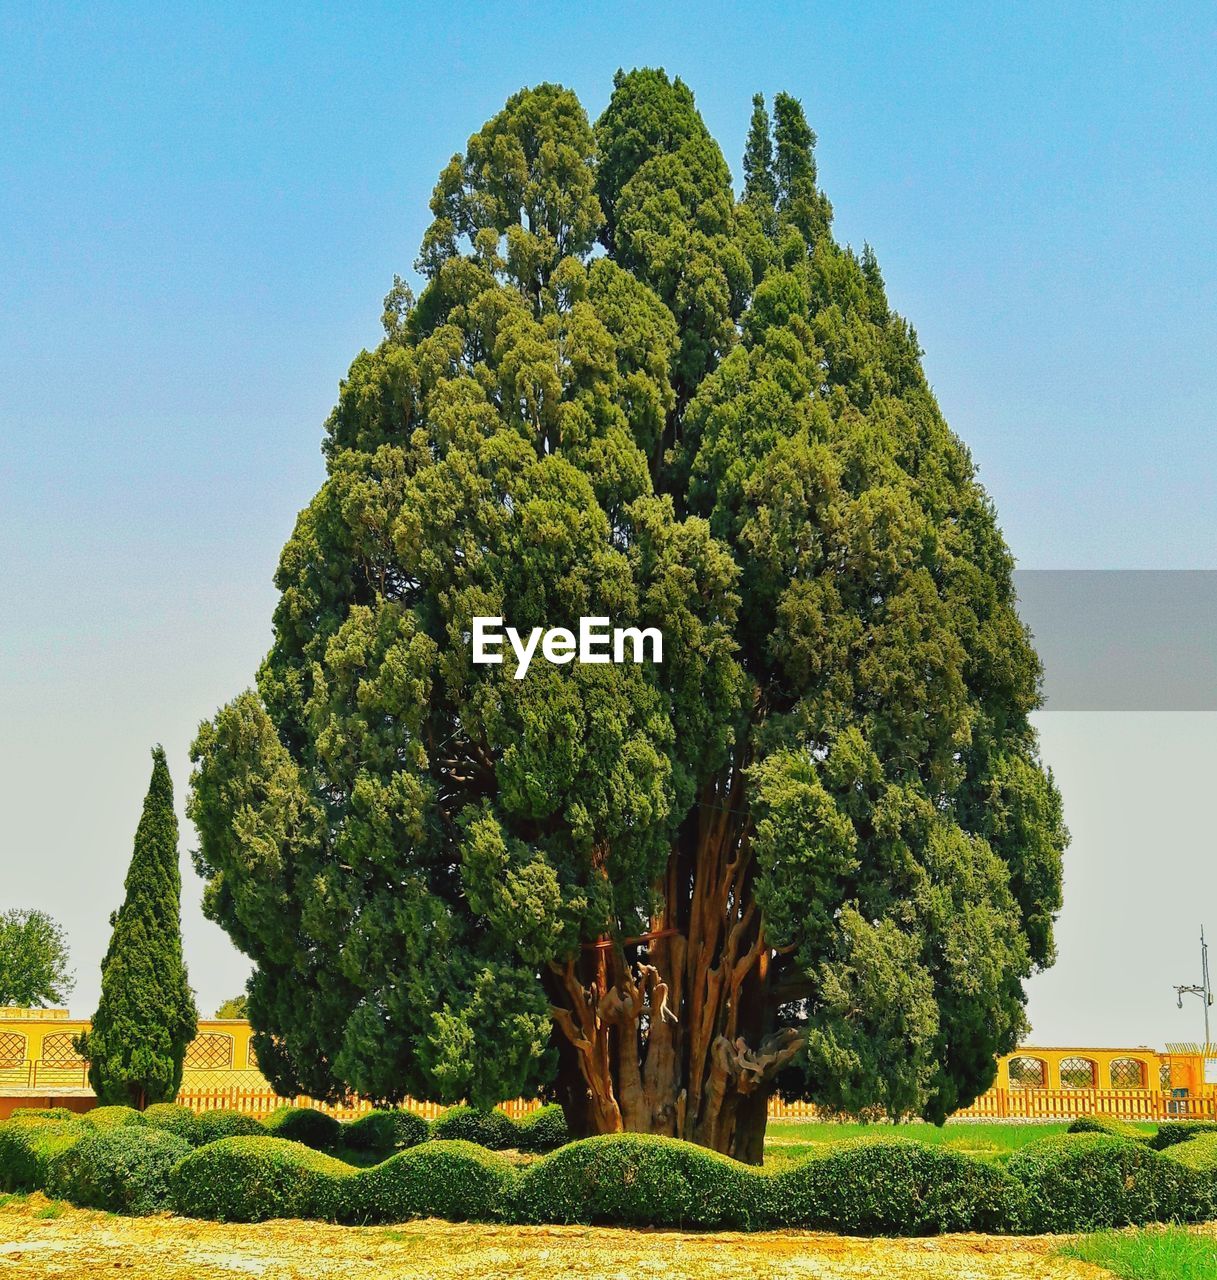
[(385, 1132), (1090, 1181), (305, 1124), (635, 1179), (444, 1179), (28, 1144), (124, 1169), (495, 1130), (114, 1117), (1199, 1153), (249, 1179), (211, 1126), (174, 1119), (542, 1130), (894, 1186), (1172, 1132), (42, 1113), (1109, 1125)]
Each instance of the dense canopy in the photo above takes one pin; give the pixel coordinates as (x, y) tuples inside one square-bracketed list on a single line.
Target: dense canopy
[(815, 844)]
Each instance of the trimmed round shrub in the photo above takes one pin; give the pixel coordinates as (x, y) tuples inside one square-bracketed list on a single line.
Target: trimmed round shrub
[(1109, 1125), (495, 1130), (1090, 1182), (443, 1179), (1172, 1132), (28, 1144), (1199, 1153), (211, 1126), (113, 1117), (124, 1169), (385, 1132), (173, 1118), (249, 1179), (304, 1124), (542, 1130), (894, 1186), (636, 1179), (42, 1113)]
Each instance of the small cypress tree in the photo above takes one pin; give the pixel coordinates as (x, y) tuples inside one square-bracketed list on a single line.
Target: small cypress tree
[(146, 1016)]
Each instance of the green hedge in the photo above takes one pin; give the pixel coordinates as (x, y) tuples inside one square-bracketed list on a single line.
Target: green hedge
[(174, 1119), (28, 1145), (124, 1169), (304, 1124), (211, 1126), (1091, 1181), (634, 1179), (384, 1132), (895, 1186), (495, 1130), (248, 1179), (1199, 1152), (1172, 1132), (114, 1117), (1111, 1126), (542, 1130), (446, 1178)]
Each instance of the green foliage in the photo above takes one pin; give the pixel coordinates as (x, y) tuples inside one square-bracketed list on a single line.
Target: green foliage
[(1155, 1253), (872, 1186), (542, 1130), (641, 1180), (42, 1113), (249, 1179), (237, 1007), (1112, 1127), (486, 1127), (114, 1117), (305, 1124), (719, 428), (213, 1125), (385, 1132), (175, 1119), (121, 1170), (1091, 1181), (33, 960), (28, 1146), (1172, 1132), (146, 1016), (1198, 1151), (453, 1180)]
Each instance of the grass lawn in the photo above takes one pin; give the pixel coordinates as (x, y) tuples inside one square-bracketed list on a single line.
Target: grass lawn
[(789, 1139), (1152, 1253)]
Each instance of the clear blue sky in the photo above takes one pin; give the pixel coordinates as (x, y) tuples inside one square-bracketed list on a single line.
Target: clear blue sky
[(201, 208)]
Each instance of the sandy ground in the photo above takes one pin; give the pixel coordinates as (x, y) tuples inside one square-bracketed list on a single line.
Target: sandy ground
[(77, 1243)]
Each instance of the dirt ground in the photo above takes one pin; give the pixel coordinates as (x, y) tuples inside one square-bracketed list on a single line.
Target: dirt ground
[(39, 1240)]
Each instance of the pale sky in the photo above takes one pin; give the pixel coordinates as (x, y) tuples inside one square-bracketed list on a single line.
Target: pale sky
[(199, 215)]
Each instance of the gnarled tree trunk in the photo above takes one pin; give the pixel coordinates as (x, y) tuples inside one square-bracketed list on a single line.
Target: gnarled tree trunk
[(675, 1032)]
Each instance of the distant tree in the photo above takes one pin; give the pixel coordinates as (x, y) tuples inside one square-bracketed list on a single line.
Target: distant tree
[(237, 1007), (760, 184), (146, 1016), (33, 960)]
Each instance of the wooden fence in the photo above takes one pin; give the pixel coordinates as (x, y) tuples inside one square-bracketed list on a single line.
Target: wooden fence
[(997, 1104)]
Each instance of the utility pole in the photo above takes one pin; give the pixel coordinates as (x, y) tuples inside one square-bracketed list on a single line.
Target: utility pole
[(1204, 990)]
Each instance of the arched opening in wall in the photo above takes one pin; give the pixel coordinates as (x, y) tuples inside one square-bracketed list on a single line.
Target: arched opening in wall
[(1127, 1073), (1164, 1077), (1078, 1073), (12, 1050), (1028, 1073), (210, 1051), (59, 1051)]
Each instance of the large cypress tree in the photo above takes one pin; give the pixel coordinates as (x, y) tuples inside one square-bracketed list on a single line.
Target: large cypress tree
[(814, 846), (146, 1016)]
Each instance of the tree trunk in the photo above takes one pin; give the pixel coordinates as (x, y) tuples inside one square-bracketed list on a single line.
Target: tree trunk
[(672, 1033)]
